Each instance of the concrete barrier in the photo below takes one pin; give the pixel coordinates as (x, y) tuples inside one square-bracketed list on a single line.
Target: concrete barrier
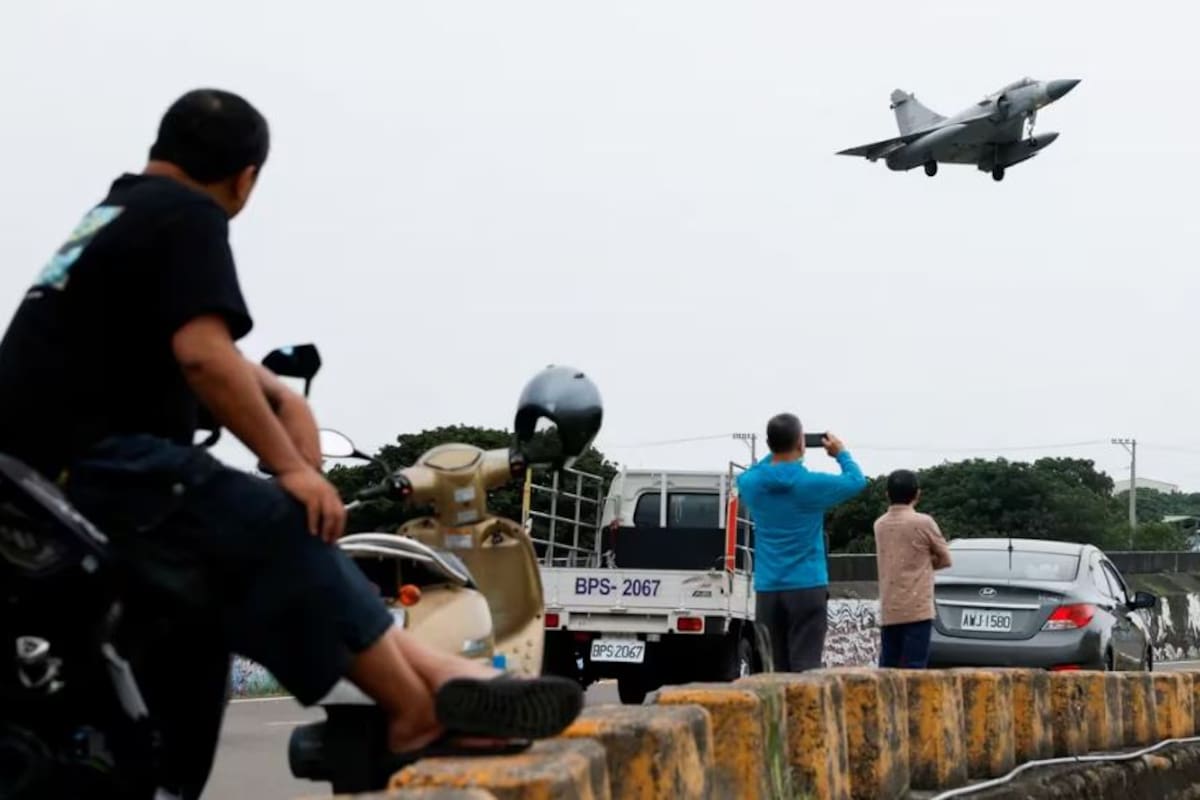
[(1102, 692), (937, 754), (1173, 705), (557, 769), (1195, 701), (988, 714), (652, 753), (1139, 719), (1069, 703), (876, 713), (1033, 714), (816, 734), (741, 761), (415, 794), (834, 735)]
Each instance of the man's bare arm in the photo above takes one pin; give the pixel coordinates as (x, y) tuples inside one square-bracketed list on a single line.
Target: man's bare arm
[(293, 412), (227, 385)]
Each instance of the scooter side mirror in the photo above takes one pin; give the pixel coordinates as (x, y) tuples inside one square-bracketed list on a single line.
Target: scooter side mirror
[(301, 361), (335, 444)]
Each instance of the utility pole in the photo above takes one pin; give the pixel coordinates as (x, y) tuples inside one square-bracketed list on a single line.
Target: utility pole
[(1130, 446), (752, 440)]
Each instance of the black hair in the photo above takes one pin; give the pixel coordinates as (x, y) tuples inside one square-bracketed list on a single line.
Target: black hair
[(902, 487), (783, 433), (212, 135)]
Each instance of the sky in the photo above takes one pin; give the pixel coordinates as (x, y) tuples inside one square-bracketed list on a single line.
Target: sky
[(460, 193)]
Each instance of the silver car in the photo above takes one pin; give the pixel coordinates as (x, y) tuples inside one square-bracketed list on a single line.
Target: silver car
[(1036, 603)]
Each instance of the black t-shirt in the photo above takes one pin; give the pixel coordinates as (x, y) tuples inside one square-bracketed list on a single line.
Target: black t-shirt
[(88, 353)]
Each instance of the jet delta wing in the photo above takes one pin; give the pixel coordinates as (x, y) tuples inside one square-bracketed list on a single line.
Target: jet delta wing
[(989, 134)]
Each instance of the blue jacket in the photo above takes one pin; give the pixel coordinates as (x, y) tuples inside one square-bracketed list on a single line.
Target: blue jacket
[(787, 503)]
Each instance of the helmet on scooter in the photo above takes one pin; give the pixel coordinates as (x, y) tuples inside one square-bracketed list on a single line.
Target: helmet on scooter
[(567, 398)]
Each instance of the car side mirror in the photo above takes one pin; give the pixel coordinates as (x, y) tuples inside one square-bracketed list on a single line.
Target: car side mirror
[(1142, 600)]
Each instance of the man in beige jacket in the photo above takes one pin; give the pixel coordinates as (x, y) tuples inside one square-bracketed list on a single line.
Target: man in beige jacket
[(908, 548)]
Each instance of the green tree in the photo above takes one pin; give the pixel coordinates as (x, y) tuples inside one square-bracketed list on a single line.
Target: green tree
[(1065, 499)]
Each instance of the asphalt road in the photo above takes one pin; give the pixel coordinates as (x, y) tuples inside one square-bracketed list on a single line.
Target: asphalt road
[(252, 759)]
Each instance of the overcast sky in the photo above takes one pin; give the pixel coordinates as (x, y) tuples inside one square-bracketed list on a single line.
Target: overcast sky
[(462, 192)]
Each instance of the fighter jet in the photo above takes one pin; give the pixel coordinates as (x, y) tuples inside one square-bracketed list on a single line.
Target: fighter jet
[(989, 134)]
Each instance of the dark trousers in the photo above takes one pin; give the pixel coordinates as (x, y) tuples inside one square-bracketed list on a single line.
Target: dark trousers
[(796, 620), (906, 645), (225, 558)]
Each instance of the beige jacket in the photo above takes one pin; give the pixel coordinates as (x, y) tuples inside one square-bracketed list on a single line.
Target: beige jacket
[(908, 548)]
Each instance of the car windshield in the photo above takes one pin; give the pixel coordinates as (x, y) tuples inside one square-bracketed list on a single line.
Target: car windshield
[(994, 565)]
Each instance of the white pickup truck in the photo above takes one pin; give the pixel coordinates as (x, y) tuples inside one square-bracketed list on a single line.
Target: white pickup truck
[(650, 584)]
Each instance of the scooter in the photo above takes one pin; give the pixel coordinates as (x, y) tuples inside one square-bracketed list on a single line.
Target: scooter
[(467, 553)]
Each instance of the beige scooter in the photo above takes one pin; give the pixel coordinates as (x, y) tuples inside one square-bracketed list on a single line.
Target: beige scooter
[(461, 579)]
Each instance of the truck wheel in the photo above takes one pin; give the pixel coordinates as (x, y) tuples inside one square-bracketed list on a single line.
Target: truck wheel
[(558, 658), (736, 658), (632, 690)]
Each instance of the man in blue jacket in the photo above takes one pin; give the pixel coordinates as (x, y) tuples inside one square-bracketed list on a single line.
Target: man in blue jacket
[(788, 503)]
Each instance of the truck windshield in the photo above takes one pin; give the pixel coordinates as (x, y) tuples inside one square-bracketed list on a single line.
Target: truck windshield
[(684, 510)]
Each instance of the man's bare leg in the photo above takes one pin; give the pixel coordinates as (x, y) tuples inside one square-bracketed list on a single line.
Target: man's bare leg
[(403, 675), (384, 673)]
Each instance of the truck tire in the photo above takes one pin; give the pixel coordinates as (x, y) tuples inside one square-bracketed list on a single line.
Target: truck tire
[(631, 689), (736, 659), (558, 658)]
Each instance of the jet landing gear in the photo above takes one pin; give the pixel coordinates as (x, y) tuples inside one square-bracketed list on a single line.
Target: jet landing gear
[(931, 168), (997, 173)]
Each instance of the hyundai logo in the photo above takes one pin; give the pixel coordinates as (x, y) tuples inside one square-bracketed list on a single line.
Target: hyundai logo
[(987, 591)]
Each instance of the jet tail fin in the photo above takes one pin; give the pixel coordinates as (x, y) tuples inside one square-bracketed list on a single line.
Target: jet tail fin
[(911, 115)]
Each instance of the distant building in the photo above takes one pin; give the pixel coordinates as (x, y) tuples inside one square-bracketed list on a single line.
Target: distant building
[(1146, 483)]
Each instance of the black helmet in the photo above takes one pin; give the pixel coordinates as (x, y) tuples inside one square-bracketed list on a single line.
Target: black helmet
[(570, 400)]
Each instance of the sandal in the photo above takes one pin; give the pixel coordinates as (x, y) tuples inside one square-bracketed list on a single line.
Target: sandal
[(508, 707)]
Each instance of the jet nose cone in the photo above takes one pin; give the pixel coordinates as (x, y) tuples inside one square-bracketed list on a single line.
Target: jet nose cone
[(1056, 89)]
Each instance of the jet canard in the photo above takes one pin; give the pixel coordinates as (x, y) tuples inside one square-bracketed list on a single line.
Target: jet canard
[(990, 134)]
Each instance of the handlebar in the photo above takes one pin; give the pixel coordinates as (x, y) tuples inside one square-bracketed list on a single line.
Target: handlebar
[(457, 481)]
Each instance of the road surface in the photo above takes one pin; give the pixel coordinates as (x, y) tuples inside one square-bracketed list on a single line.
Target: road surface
[(252, 759)]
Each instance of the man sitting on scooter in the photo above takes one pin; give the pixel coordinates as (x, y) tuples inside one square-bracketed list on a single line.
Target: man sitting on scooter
[(128, 329)]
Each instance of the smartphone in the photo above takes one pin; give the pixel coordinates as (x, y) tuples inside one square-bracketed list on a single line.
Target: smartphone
[(814, 441)]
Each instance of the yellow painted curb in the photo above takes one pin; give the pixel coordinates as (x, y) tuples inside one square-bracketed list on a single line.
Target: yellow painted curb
[(876, 709), (1138, 710), (1069, 702), (988, 715), (816, 730), (1173, 705), (1033, 714), (740, 763), (556, 769), (936, 729), (653, 753), (414, 794), (1103, 692)]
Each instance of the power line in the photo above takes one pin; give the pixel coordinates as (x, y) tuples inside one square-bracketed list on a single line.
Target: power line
[(664, 442), (993, 449), (883, 448)]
